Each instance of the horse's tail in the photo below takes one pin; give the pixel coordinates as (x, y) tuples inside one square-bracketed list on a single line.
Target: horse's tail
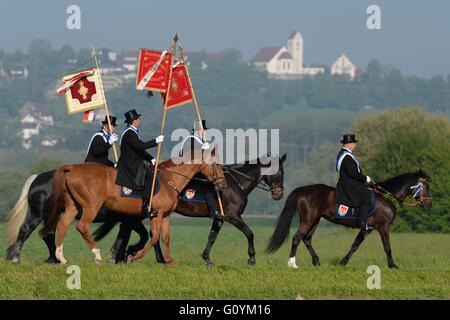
[(281, 232), (105, 228), (17, 214), (56, 198)]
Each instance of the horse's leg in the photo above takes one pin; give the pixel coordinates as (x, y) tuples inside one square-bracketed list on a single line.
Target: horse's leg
[(69, 215), (158, 252), (140, 229), (243, 227), (120, 246), (49, 240), (215, 229), (30, 224), (155, 224), (83, 228), (384, 233), (359, 239), (303, 229), (307, 241), (165, 236)]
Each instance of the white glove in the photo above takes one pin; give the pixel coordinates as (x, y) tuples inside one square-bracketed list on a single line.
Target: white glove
[(159, 139), (154, 162), (115, 165), (113, 138), (205, 146), (369, 180)]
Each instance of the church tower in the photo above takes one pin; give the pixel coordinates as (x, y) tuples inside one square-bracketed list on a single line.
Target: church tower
[(295, 47)]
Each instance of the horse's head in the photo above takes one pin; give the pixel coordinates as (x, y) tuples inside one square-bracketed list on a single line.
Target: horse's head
[(421, 191), (275, 180), (212, 168)]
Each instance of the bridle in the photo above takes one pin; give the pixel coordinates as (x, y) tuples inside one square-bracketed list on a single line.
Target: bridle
[(418, 190), (261, 184), (216, 178), (415, 191)]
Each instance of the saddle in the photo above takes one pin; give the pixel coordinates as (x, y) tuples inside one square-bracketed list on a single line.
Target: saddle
[(195, 192), (345, 212), (139, 193)]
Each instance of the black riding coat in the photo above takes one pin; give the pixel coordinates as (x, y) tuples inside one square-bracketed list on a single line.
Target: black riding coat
[(131, 166), (351, 189), (99, 150)]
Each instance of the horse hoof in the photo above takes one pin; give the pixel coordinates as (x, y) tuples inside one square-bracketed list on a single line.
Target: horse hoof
[(98, 261), (52, 260), (171, 263), (251, 261), (393, 266), (15, 260), (292, 264), (210, 265)]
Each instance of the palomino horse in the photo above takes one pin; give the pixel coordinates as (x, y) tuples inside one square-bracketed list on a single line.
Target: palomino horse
[(316, 201), (87, 187), (241, 180)]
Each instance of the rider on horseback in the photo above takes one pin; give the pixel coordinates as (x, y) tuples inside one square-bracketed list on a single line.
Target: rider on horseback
[(205, 187), (100, 143), (351, 188), (132, 172)]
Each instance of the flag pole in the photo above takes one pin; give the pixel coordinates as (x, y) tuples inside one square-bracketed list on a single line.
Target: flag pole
[(199, 117), (197, 110), (158, 152), (106, 105)]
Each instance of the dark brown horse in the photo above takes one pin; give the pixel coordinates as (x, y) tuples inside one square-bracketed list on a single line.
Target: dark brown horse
[(87, 187), (316, 201)]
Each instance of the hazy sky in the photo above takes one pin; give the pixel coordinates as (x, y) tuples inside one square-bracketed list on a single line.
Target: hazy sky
[(415, 35)]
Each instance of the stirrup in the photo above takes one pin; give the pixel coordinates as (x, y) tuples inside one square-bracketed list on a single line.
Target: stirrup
[(216, 215)]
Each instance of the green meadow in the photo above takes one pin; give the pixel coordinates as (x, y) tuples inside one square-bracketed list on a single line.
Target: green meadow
[(423, 260)]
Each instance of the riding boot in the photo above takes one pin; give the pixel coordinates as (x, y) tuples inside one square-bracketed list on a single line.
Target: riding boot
[(212, 206), (146, 213), (362, 220)]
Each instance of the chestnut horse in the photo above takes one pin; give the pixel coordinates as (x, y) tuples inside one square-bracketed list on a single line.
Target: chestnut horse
[(87, 187)]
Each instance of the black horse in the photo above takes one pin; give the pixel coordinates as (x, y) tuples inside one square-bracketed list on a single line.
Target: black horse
[(241, 180), (35, 195), (315, 201)]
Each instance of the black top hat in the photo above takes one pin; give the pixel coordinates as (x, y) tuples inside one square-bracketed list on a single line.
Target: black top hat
[(203, 125), (112, 119), (131, 115), (348, 138)]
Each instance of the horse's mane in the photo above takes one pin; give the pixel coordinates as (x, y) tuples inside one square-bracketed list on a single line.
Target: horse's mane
[(397, 182), (247, 165)]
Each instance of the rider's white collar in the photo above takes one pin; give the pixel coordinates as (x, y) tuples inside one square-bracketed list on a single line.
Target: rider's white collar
[(347, 149)]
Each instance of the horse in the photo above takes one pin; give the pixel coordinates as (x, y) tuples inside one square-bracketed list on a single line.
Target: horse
[(241, 180), (87, 187), (35, 196), (313, 202)]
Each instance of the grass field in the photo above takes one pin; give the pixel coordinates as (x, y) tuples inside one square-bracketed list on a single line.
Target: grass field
[(424, 261)]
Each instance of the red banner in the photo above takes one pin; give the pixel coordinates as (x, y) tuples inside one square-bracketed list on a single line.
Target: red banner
[(180, 90), (158, 78)]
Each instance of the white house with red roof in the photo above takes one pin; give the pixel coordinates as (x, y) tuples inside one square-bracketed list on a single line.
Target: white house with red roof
[(285, 61)]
